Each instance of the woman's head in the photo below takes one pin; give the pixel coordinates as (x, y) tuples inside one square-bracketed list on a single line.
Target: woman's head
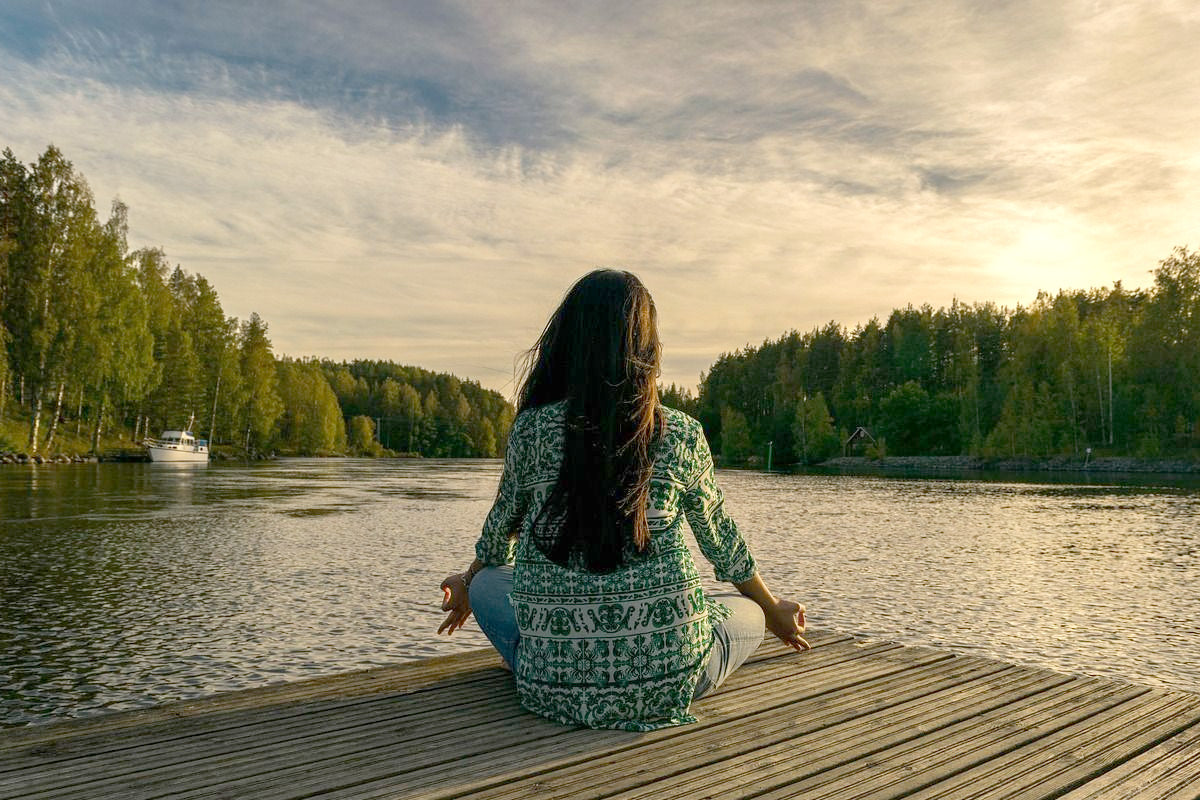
[(602, 337), (600, 353)]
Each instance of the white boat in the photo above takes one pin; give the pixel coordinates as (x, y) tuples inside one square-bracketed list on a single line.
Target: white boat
[(177, 446)]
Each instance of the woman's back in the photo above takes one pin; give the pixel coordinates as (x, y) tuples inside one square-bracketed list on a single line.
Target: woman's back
[(622, 648)]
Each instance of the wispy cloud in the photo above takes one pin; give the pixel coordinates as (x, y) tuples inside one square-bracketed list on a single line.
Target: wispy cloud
[(423, 184)]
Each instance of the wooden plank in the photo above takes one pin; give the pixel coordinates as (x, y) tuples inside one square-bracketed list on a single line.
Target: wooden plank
[(823, 710), (1054, 763), (112, 747), (341, 751), (1074, 764), (787, 763), (407, 718), (739, 733), (586, 744), (1168, 771), (957, 748), (251, 703), (773, 648)]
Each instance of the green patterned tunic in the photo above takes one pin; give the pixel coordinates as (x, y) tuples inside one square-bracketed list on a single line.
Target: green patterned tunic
[(623, 649)]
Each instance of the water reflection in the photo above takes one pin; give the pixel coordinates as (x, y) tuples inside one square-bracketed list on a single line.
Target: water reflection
[(124, 585)]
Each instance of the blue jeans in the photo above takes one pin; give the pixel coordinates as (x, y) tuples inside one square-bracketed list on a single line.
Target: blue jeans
[(734, 640), (497, 619)]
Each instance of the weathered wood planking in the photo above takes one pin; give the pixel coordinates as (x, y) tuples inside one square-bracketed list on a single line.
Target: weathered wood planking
[(853, 718)]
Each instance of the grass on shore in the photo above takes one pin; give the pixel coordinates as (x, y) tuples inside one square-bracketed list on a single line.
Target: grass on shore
[(14, 438)]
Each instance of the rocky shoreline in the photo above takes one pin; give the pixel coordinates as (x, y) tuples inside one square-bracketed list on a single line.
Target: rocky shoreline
[(976, 464), (129, 454), (38, 458)]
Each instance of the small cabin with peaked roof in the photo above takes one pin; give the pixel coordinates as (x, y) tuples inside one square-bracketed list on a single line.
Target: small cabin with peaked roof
[(857, 441)]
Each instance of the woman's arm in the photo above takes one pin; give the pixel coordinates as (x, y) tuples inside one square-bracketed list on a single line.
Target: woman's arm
[(723, 545), (784, 618)]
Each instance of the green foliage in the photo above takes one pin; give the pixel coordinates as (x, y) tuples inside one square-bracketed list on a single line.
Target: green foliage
[(423, 412), (389, 404), (484, 437), (1148, 446), (53, 232), (362, 435), (813, 436), (409, 412), (176, 399), (735, 437), (1108, 368), (1165, 358), (263, 406), (679, 398), (312, 419), (94, 334), (904, 412)]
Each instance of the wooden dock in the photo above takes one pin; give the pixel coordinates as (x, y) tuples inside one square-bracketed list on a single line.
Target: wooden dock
[(853, 718)]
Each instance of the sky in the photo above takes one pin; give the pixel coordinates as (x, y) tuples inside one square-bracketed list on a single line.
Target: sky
[(422, 181)]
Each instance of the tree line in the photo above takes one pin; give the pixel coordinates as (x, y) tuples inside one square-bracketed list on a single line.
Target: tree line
[(103, 342), (1113, 370)]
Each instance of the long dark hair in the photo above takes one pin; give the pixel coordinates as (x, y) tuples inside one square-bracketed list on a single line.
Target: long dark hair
[(599, 352)]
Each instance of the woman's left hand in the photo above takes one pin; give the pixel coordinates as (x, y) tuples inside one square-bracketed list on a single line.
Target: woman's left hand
[(786, 620), (457, 601)]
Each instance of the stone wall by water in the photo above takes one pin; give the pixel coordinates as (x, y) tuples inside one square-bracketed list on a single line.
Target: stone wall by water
[(1056, 464)]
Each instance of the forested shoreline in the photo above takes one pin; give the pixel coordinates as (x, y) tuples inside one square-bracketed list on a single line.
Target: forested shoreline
[(1099, 373), (104, 347)]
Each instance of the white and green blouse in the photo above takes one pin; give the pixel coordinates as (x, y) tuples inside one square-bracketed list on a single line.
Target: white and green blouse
[(623, 649)]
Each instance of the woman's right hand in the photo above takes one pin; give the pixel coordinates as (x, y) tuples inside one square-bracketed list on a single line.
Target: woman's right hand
[(457, 601), (785, 619)]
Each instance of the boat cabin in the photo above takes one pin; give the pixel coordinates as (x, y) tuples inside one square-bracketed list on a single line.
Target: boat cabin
[(174, 439)]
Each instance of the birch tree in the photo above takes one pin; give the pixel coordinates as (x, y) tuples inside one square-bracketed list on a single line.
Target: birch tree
[(12, 194), (55, 221)]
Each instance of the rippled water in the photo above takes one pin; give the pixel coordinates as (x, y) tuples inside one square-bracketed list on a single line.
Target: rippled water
[(126, 585)]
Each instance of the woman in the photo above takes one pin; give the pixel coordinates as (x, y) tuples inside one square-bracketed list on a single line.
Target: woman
[(582, 579)]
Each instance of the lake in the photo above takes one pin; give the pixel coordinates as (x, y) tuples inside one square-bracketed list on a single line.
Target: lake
[(127, 585)]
